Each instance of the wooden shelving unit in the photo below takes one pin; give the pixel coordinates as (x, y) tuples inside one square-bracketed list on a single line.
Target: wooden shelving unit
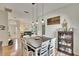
[(65, 42)]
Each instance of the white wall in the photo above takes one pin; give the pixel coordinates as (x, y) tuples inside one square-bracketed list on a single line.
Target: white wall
[(4, 21), (71, 14)]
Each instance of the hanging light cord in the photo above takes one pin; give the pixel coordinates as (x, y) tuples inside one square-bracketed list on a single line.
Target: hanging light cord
[(37, 12), (32, 12), (42, 10)]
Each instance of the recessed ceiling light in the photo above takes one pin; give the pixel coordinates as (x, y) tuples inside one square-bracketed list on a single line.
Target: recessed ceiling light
[(26, 11), (33, 3)]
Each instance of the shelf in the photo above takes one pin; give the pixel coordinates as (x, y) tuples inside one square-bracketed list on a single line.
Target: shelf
[(65, 38), (65, 42), (65, 32), (65, 52), (65, 46)]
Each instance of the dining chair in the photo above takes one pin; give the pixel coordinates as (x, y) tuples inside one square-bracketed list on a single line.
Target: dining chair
[(44, 48), (26, 51), (52, 47)]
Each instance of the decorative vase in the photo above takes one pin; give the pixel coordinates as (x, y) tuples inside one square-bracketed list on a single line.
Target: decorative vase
[(64, 25)]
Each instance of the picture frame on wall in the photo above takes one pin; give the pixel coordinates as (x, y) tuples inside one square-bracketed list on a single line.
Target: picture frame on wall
[(53, 20)]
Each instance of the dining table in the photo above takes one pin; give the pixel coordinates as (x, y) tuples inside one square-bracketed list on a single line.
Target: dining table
[(35, 43)]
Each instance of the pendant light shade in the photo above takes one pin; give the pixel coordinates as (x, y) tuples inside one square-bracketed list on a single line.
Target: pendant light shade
[(43, 21), (32, 23), (36, 21)]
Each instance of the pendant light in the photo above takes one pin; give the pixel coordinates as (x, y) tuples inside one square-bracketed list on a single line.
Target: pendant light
[(37, 14), (33, 13), (43, 13), (43, 22), (33, 18)]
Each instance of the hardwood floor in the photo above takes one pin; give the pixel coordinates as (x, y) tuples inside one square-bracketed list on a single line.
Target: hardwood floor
[(8, 51), (12, 51)]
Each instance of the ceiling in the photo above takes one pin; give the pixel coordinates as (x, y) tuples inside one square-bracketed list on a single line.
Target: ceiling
[(19, 8)]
